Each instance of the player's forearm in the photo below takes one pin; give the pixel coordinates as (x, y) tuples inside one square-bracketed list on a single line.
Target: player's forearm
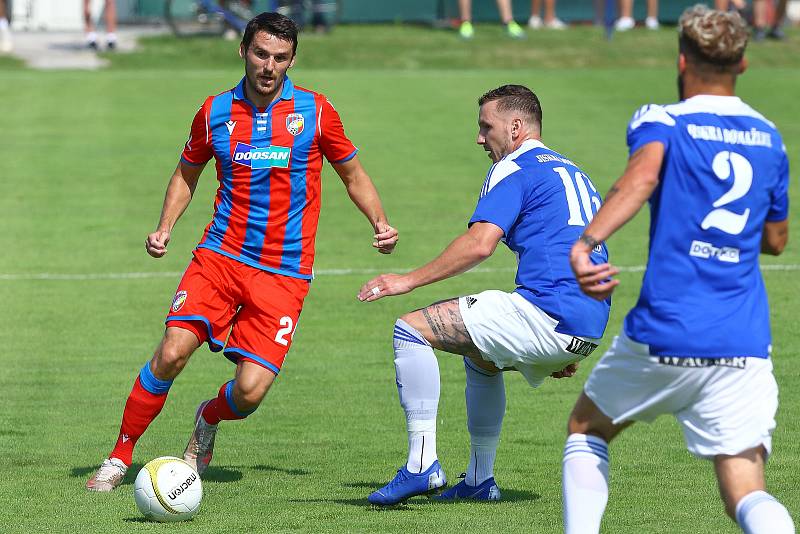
[(176, 200), (622, 203), (464, 253), (364, 195), (628, 194)]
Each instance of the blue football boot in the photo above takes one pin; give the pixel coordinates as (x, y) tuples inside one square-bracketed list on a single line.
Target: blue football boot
[(406, 484), (485, 491)]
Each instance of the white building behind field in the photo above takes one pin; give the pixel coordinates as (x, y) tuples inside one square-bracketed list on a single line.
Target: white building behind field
[(59, 15)]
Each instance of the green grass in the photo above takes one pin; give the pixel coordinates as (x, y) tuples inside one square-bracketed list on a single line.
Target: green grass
[(403, 47), (83, 165)]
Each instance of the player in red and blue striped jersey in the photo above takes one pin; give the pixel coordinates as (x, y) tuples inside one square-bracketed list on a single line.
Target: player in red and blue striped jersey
[(251, 270)]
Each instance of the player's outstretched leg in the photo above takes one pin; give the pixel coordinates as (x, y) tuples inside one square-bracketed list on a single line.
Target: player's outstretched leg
[(486, 405), (417, 374), (144, 403)]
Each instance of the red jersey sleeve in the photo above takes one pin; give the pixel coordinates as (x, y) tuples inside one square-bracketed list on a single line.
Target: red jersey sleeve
[(335, 145), (198, 149)]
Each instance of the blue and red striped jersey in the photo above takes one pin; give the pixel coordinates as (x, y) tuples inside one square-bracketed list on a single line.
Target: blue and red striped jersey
[(268, 166)]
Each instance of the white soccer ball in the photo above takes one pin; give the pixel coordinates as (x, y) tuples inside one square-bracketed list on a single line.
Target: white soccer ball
[(168, 489)]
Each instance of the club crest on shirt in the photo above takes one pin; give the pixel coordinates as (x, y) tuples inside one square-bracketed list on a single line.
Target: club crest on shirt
[(295, 123), (178, 301)]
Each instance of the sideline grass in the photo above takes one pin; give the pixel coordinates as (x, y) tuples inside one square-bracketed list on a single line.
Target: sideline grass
[(83, 167), (403, 47)]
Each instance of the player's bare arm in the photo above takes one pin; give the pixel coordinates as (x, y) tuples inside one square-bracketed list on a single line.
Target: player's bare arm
[(179, 193), (465, 252), (364, 195), (775, 237), (625, 199)]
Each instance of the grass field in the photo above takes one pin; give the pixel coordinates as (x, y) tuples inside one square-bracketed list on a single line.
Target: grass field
[(84, 161)]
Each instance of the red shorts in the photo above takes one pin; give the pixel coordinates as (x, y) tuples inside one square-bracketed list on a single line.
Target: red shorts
[(218, 295)]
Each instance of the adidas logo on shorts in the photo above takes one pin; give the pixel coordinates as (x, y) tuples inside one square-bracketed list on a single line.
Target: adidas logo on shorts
[(471, 301)]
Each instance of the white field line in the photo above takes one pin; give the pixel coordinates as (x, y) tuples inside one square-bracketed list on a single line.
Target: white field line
[(319, 272)]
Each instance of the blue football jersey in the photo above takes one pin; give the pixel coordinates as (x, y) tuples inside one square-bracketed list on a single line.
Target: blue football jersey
[(725, 172), (542, 201)]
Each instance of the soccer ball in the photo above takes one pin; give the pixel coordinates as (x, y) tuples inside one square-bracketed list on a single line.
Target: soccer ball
[(168, 489)]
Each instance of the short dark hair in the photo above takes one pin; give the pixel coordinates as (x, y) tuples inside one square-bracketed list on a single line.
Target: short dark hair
[(712, 40), (516, 98), (275, 24)]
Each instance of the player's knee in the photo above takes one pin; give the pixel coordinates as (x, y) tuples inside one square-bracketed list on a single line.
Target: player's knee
[(249, 401), (406, 332), (578, 426), (169, 361), (414, 319), (248, 395), (586, 418)]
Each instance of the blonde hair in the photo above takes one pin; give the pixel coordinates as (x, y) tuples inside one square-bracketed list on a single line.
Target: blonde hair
[(711, 37)]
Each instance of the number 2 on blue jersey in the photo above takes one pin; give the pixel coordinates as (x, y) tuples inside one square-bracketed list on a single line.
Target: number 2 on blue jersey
[(724, 164)]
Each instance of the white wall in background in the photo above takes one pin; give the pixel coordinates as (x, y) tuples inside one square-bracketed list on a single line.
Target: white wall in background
[(51, 14)]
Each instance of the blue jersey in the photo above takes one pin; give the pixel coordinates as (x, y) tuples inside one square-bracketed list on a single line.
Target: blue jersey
[(542, 201), (724, 174)]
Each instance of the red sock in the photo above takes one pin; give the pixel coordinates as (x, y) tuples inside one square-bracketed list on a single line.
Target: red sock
[(140, 410), (221, 408)]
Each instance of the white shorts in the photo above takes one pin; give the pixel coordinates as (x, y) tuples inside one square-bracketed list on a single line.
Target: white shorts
[(722, 409), (511, 332)]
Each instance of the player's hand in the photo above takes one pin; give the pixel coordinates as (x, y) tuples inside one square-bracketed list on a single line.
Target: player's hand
[(385, 237), (566, 372), (156, 243), (384, 285), (594, 280)]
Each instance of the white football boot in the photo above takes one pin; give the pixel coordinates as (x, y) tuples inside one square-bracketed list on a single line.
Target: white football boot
[(200, 448), (108, 476)]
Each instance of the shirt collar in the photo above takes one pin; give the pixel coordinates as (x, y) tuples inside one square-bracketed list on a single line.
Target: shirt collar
[(711, 99), (287, 92)]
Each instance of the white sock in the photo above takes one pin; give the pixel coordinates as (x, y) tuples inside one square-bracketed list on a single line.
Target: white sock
[(486, 406), (417, 373), (761, 513), (584, 483), (111, 37), (3, 24), (91, 37)]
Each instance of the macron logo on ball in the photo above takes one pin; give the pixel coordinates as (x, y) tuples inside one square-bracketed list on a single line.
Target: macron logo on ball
[(261, 158)]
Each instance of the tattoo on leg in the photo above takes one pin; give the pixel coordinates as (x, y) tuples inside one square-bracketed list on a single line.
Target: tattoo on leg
[(449, 331)]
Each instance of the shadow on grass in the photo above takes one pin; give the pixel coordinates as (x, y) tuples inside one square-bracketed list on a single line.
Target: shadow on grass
[(365, 485), (509, 495), (221, 474), (287, 471), (142, 519)]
